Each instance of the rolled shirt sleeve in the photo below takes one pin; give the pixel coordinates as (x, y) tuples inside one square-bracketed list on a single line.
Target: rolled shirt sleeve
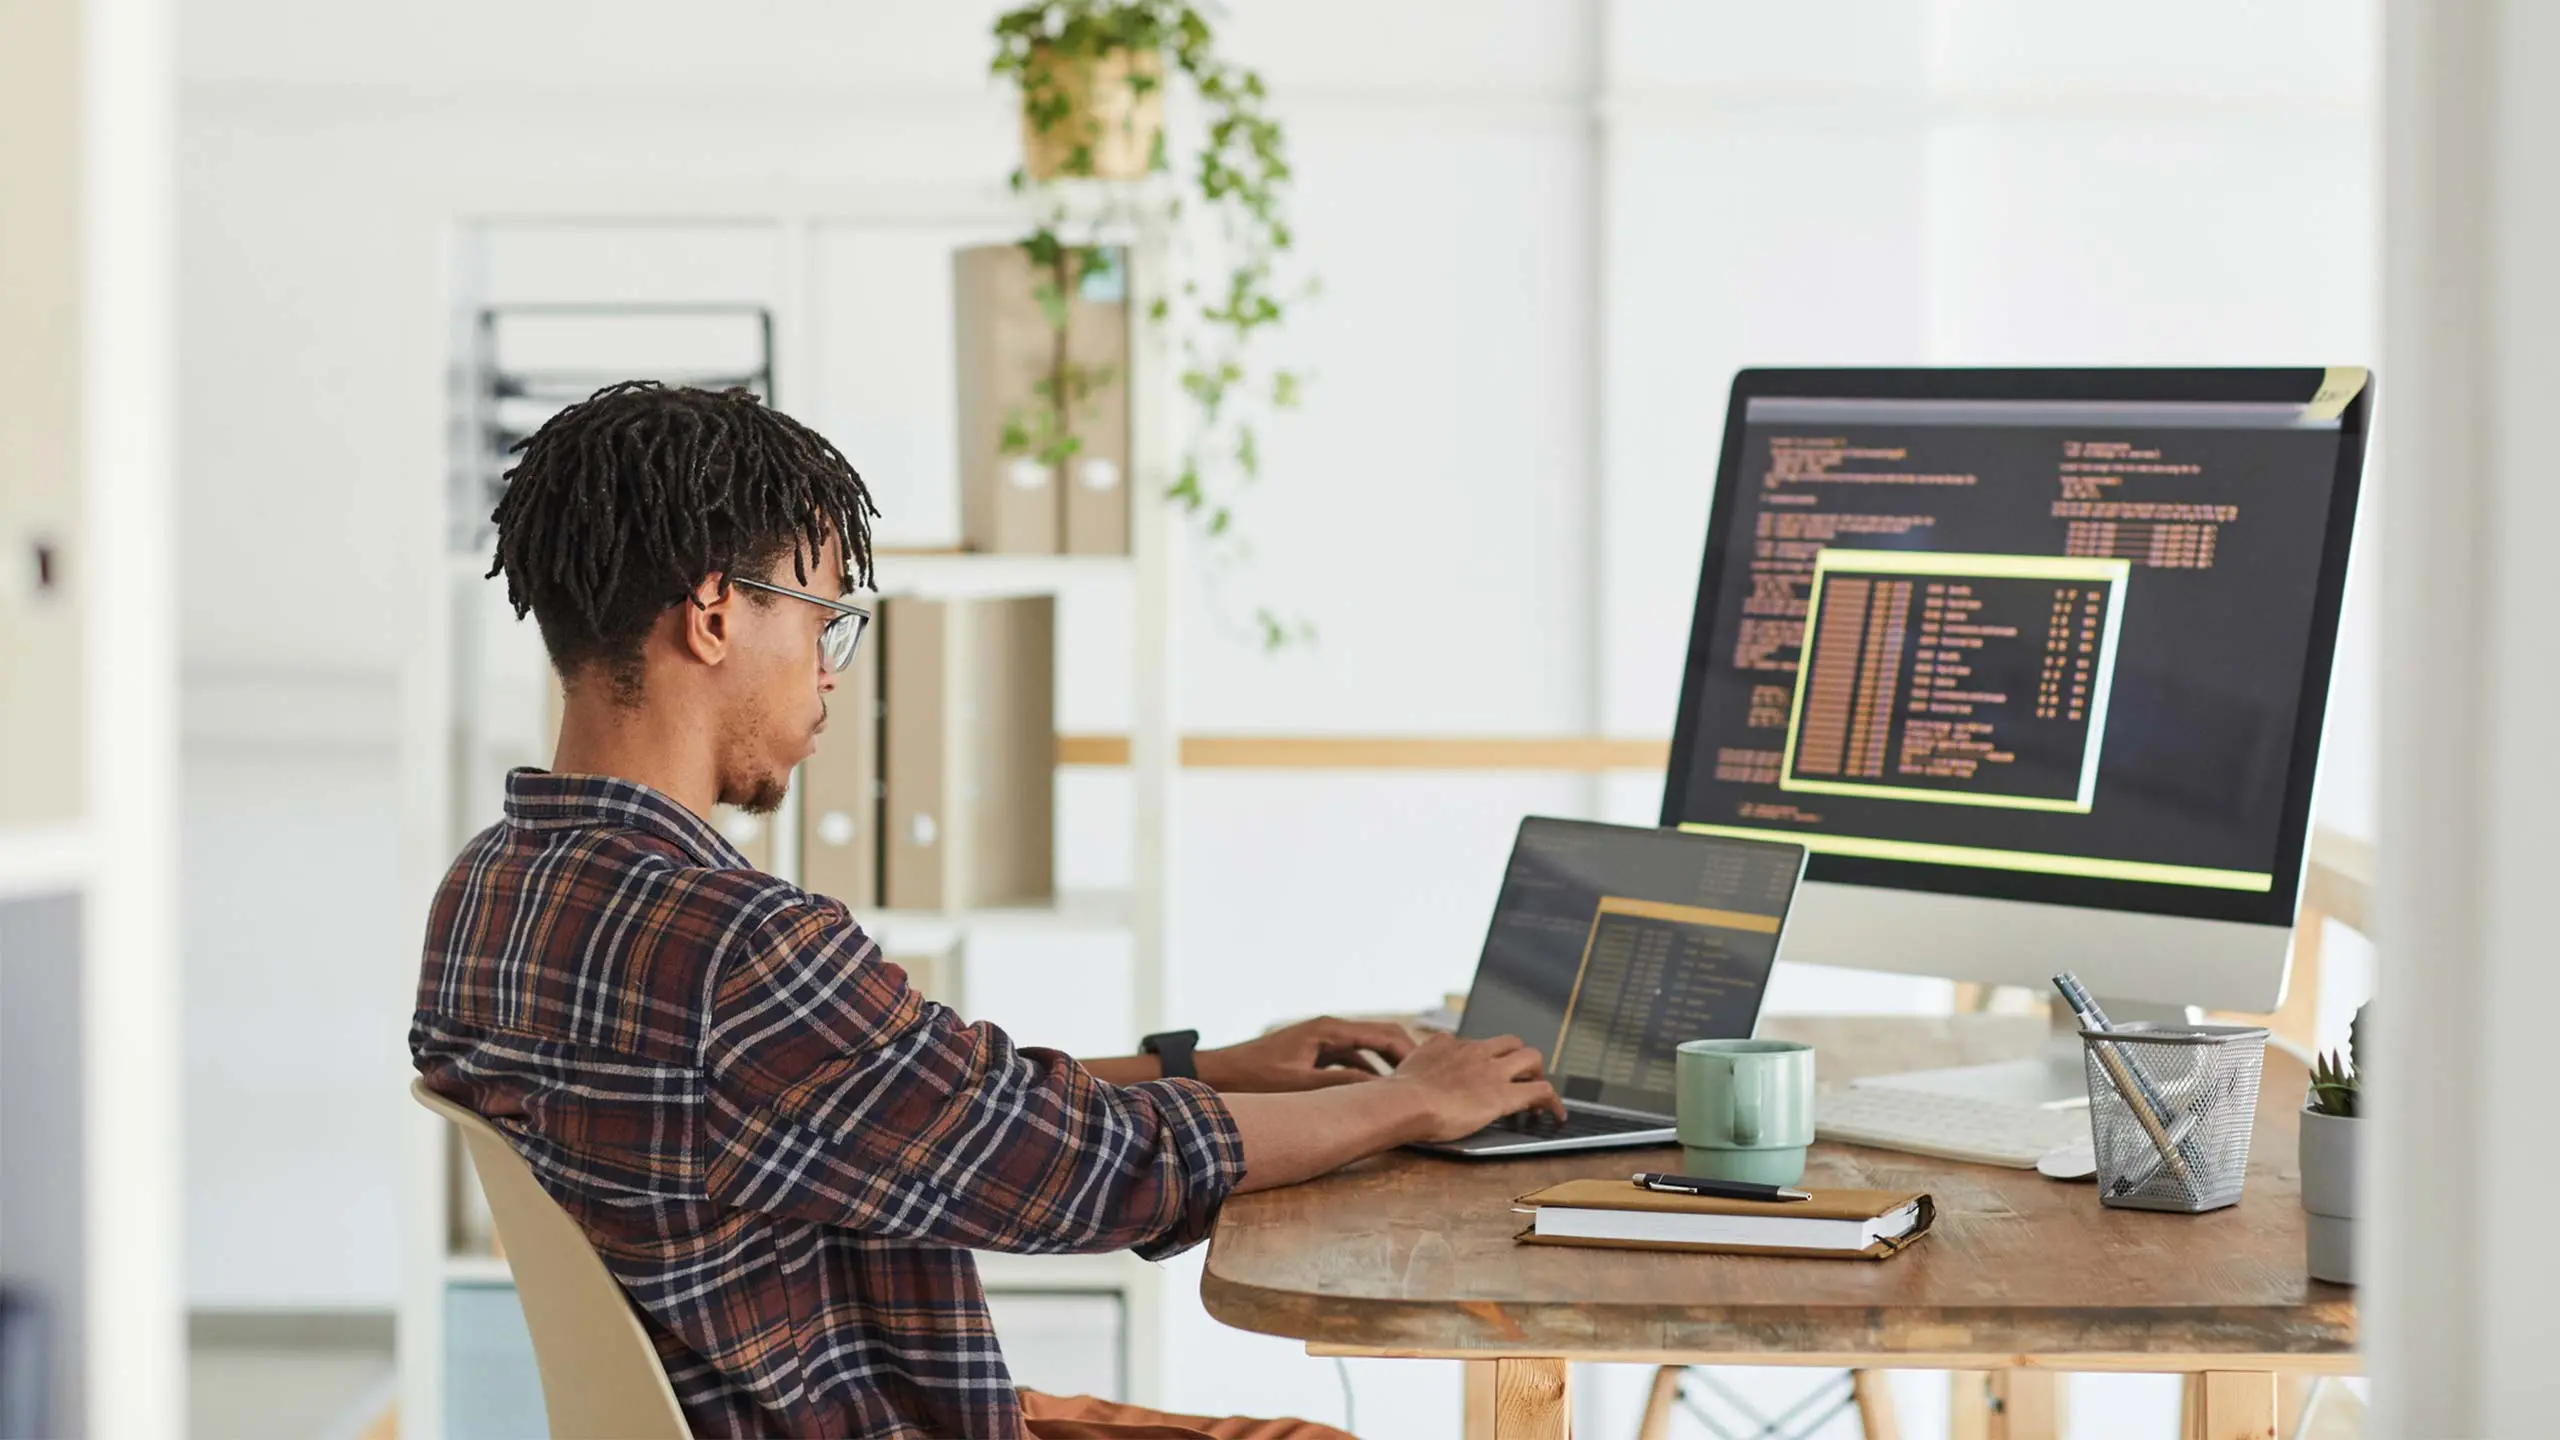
[(837, 1094)]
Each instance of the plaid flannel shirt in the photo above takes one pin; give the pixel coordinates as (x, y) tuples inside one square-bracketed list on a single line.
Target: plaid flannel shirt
[(781, 1150)]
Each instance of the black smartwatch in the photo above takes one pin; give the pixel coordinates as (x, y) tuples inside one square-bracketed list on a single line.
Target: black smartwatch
[(1173, 1050)]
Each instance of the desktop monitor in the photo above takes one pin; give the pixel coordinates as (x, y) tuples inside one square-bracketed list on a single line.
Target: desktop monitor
[(2032, 661)]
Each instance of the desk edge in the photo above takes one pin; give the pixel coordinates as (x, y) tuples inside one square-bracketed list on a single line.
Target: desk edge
[(2325, 1331)]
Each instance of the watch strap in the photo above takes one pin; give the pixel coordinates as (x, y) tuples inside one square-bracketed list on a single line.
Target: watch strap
[(1175, 1051)]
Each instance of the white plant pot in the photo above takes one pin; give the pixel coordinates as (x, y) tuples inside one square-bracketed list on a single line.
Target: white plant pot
[(2329, 1144)]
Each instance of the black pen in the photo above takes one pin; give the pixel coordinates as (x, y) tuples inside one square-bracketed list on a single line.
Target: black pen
[(1720, 1189)]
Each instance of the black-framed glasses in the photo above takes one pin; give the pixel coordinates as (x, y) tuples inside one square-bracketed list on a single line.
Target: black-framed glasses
[(842, 635)]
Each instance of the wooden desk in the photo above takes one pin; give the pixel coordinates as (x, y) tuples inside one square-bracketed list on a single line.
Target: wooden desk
[(1412, 1255)]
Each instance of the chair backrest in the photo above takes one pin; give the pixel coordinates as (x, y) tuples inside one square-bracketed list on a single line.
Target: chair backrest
[(601, 1379)]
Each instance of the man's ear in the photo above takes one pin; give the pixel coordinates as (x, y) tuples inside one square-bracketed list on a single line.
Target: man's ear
[(702, 619)]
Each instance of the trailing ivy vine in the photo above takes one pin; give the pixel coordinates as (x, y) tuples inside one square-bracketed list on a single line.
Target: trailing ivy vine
[(1052, 49), (1066, 391)]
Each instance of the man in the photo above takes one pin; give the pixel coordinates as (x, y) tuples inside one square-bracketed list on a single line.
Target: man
[(781, 1150)]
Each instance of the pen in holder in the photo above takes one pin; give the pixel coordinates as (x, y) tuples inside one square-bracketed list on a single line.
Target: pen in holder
[(2170, 1111)]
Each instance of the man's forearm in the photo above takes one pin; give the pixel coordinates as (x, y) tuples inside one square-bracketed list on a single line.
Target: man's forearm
[(1125, 1069), (1289, 1138)]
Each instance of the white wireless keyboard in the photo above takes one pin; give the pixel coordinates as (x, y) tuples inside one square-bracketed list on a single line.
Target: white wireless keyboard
[(1950, 1127)]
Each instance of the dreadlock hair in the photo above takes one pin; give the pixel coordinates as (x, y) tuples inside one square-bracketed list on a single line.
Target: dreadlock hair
[(623, 503)]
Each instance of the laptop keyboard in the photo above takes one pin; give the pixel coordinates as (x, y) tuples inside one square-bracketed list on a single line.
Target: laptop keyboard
[(1577, 1124)]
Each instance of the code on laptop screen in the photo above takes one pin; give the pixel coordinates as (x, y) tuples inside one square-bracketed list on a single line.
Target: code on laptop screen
[(1610, 945)]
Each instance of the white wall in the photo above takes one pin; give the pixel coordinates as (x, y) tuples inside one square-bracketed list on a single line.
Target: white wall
[(292, 864), (1549, 233)]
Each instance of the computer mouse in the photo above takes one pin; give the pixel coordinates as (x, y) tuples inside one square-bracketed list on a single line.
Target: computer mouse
[(2078, 1161)]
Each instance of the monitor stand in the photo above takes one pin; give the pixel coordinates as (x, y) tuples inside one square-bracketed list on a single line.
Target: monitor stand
[(2055, 1080)]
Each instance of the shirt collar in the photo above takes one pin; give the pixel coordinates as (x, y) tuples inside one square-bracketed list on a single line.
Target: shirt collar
[(541, 800)]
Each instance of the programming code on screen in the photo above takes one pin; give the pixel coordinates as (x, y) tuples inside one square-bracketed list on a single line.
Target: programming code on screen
[(1654, 975), (2049, 636), (1610, 945), (1955, 679)]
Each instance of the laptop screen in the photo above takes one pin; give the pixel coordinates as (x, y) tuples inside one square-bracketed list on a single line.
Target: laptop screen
[(1611, 945)]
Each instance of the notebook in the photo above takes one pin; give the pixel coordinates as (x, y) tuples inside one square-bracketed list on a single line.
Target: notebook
[(1834, 1224)]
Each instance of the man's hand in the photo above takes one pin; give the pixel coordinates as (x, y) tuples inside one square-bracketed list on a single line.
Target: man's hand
[(1305, 1056), (1466, 1085), (1445, 1088)]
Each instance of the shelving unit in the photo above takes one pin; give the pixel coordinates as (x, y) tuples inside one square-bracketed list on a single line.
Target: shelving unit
[(952, 575), (477, 1270), (1099, 912), (461, 740), (510, 391)]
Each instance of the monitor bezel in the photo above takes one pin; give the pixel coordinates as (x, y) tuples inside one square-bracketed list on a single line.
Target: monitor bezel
[(2294, 386)]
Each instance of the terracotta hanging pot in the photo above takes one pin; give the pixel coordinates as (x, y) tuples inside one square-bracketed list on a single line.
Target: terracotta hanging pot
[(1097, 116)]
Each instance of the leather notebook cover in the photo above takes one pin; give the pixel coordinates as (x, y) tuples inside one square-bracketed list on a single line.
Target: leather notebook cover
[(1825, 1205)]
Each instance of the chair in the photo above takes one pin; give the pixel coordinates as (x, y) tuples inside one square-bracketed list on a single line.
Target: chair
[(601, 1379)]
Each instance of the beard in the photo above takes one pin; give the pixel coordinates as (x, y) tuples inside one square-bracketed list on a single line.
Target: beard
[(753, 786), (759, 796), (747, 742)]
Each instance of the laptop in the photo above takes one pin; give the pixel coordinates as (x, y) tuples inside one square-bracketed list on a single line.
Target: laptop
[(1610, 945)]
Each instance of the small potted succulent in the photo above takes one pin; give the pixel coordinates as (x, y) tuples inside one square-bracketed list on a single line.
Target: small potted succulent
[(2332, 1122)]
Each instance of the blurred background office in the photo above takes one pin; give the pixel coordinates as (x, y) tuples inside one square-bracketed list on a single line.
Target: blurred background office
[(1547, 233)]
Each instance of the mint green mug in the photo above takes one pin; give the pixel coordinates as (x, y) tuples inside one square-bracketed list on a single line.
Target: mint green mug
[(1746, 1109)]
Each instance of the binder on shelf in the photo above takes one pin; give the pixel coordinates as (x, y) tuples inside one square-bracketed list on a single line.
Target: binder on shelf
[(1001, 349), (1004, 349), (968, 752), (840, 791), (1095, 485)]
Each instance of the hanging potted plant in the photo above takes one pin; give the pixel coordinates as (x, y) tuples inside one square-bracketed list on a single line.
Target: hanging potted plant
[(1092, 76), (1092, 89), (2332, 1133)]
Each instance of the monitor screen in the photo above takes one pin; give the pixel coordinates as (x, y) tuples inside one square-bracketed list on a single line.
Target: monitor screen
[(2057, 636), (1610, 945)]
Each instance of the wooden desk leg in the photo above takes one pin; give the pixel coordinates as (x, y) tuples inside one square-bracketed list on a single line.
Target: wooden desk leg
[(2004, 1405), (2026, 1405), (1969, 1405), (2235, 1405), (1478, 1405), (1873, 1390), (1524, 1398)]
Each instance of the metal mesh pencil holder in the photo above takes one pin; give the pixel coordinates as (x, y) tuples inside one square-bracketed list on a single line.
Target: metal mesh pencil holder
[(2170, 1110)]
